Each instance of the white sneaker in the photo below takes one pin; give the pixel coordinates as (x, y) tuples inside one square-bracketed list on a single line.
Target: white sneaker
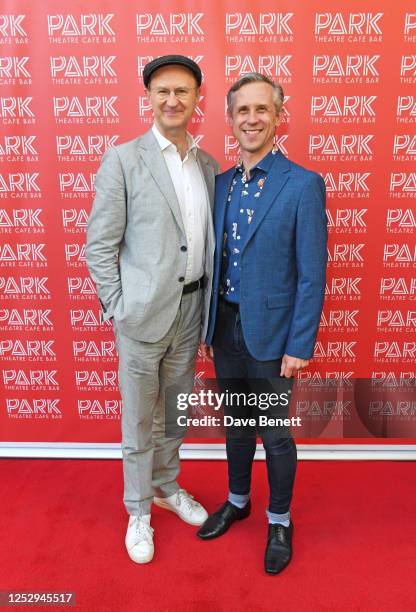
[(184, 505), (139, 539)]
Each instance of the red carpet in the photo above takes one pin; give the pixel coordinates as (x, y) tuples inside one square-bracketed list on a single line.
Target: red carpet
[(63, 528)]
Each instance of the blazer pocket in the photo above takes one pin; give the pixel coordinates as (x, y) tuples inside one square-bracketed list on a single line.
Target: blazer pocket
[(279, 300)]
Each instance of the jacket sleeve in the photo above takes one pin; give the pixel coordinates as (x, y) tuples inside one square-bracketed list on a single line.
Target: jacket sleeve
[(311, 259), (105, 231)]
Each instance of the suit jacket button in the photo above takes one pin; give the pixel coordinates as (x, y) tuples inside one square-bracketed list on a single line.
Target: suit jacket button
[(181, 279), (184, 248)]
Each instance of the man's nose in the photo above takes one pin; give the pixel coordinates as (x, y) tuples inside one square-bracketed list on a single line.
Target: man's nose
[(252, 117), (172, 99)]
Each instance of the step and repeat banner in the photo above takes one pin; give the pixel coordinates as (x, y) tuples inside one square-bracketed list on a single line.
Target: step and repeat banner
[(71, 86)]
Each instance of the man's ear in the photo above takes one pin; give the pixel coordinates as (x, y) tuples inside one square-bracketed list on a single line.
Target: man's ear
[(278, 119), (198, 95)]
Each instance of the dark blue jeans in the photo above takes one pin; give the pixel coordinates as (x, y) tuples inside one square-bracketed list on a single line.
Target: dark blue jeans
[(237, 371)]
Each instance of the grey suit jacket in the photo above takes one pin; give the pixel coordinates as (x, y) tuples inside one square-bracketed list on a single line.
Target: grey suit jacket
[(134, 238)]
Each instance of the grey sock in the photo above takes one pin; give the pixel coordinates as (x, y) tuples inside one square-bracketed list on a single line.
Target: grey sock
[(282, 519), (238, 500)]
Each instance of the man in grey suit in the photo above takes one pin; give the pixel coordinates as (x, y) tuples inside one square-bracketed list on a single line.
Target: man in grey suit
[(150, 244)]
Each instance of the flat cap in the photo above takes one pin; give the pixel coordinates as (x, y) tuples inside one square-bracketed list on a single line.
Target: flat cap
[(168, 60)]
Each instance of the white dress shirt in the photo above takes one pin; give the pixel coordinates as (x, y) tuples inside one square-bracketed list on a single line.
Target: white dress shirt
[(192, 195)]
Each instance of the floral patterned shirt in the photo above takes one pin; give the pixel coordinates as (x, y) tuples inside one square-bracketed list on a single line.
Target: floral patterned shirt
[(243, 199)]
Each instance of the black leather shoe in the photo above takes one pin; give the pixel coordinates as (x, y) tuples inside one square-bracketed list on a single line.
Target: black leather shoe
[(279, 548), (219, 522)]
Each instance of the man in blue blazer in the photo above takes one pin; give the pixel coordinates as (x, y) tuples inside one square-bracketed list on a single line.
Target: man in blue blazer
[(268, 292)]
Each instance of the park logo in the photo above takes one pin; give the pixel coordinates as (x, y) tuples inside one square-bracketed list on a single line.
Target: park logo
[(400, 221), (348, 27), (396, 321), (81, 288), (14, 70), (397, 289), (352, 69), (88, 28), (27, 350), (346, 185), (76, 184), (170, 28), (394, 352), (85, 110), (259, 27), (21, 221), (90, 350), (339, 321), (12, 31), (406, 109), (402, 185), (23, 255), (347, 221), (30, 380), (100, 409), (408, 69), (14, 319), (274, 66), (342, 147), (18, 149), (343, 289), (404, 147), (88, 148), (383, 378), (346, 255), (17, 110), (325, 379), (24, 288), (75, 255), (20, 185), (39, 408), (85, 70), (88, 320), (335, 351), (346, 109), (74, 221), (92, 380), (399, 255)]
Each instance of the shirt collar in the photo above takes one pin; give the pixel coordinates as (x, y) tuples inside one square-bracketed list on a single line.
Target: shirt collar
[(264, 164), (164, 142)]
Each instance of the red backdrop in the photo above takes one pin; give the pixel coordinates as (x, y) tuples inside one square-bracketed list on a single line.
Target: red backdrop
[(71, 86)]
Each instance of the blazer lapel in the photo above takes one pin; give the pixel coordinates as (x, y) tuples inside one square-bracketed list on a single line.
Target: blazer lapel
[(209, 176), (152, 156), (278, 176), (222, 190)]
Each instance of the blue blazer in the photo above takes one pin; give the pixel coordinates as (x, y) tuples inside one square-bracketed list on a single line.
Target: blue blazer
[(283, 262)]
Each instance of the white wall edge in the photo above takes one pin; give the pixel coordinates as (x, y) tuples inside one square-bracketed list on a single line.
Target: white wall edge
[(320, 452)]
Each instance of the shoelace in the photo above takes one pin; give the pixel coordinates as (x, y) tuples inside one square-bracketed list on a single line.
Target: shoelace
[(279, 532), (143, 531), (187, 499)]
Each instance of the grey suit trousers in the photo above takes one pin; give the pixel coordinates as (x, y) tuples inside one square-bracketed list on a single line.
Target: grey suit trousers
[(146, 371)]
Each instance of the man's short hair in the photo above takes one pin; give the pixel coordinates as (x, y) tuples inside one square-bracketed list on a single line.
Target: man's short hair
[(256, 77)]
